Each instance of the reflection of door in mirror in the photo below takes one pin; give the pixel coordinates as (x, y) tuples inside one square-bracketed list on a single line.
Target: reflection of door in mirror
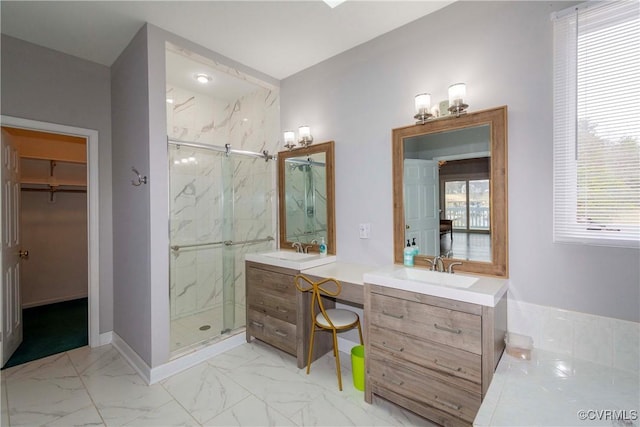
[(306, 198), (421, 204), (462, 172)]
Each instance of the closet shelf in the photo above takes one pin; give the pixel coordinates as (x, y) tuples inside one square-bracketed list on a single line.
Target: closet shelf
[(49, 182)]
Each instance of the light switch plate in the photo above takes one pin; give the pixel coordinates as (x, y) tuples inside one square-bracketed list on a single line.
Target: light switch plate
[(365, 231)]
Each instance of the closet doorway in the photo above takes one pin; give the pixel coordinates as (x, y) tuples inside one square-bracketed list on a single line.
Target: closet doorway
[(57, 286)]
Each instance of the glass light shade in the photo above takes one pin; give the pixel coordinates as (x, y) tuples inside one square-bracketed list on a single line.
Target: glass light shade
[(304, 132), (457, 93), (203, 78), (289, 137), (423, 103)]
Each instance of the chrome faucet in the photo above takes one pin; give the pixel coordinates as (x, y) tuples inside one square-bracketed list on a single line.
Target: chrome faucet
[(297, 246), (305, 249), (437, 264), (451, 266)]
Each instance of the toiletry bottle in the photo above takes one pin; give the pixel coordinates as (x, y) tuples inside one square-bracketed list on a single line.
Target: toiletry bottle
[(408, 255), (416, 249), (323, 248)]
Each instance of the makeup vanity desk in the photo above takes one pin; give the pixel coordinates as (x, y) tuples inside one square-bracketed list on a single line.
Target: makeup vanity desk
[(349, 275)]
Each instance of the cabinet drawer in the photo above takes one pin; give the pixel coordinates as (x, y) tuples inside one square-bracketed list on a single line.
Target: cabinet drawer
[(461, 368), (276, 283), (453, 328), (273, 331), (273, 305), (416, 385)]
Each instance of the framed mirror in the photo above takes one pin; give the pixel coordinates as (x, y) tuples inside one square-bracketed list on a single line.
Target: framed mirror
[(450, 191), (306, 204)]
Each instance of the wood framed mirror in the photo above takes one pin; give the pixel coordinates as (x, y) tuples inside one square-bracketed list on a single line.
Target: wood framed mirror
[(306, 202), (450, 191)]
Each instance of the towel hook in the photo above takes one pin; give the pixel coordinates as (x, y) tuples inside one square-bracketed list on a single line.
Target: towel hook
[(141, 179)]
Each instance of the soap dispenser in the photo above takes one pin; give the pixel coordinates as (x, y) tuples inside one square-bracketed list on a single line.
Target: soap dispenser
[(323, 248), (414, 246), (408, 255)]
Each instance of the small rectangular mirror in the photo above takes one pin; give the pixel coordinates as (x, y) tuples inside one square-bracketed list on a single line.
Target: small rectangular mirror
[(306, 197)]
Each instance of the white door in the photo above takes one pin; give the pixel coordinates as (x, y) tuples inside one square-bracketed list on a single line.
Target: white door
[(11, 302), (421, 206)]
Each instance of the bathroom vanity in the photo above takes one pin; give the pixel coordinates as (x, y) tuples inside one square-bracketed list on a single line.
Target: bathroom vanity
[(433, 347), (277, 313)]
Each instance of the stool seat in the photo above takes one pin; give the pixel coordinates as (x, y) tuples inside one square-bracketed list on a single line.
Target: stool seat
[(338, 316)]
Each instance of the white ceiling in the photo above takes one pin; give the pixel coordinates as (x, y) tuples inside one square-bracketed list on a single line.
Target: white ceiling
[(278, 38)]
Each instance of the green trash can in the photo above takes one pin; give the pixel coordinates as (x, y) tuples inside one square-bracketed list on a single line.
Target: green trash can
[(357, 366)]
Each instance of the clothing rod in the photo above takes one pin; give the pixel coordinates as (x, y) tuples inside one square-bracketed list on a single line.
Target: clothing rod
[(223, 149), (52, 190), (221, 242)]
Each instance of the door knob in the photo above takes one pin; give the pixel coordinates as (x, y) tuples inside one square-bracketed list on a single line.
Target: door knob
[(23, 254)]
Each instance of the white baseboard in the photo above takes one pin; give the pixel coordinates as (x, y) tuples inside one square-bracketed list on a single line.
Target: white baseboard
[(189, 360), (105, 338), (132, 357), (345, 346), (55, 300)]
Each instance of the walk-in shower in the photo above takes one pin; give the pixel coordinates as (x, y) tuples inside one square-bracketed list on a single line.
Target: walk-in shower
[(222, 194)]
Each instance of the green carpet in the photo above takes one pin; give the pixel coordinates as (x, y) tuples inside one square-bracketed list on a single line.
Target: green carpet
[(51, 329)]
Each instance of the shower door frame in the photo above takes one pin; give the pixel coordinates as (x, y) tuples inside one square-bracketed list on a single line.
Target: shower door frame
[(227, 243)]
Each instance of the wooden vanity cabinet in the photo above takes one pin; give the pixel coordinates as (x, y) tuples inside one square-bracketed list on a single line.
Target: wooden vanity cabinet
[(278, 314), (433, 356)]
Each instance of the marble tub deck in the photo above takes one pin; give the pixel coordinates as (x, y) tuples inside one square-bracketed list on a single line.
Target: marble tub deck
[(554, 389), (251, 385)]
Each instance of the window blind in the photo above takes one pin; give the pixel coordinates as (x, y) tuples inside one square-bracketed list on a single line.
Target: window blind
[(596, 132)]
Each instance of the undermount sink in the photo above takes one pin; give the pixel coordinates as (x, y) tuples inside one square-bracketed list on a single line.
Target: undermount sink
[(435, 277), (288, 255), (291, 259)]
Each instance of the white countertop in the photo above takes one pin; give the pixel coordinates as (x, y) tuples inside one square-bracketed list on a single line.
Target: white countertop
[(290, 259), (485, 290), (343, 271), (553, 389)]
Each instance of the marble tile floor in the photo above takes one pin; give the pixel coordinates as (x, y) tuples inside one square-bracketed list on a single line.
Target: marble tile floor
[(250, 385)]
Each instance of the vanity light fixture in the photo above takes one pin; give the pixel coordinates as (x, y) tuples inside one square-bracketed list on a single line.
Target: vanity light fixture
[(289, 139), (423, 105), (457, 93), (304, 134), (203, 78)]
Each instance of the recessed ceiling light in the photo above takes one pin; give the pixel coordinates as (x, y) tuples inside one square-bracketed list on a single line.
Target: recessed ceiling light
[(203, 78), (169, 100)]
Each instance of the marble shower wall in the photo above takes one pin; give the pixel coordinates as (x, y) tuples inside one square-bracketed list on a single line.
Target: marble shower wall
[(199, 189), (306, 216)]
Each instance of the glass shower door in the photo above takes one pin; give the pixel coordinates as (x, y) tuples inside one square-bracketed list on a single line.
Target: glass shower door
[(217, 203)]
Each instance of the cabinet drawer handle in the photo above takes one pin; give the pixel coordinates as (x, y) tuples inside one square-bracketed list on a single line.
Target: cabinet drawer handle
[(395, 316), (385, 345), (282, 310), (449, 404), (258, 324), (282, 334), (392, 381), (444, 328), (447, 367)]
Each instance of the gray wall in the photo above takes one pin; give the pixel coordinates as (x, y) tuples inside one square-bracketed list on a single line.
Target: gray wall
[(141, 214), (45, 85), (131, 204), (503, 51)]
